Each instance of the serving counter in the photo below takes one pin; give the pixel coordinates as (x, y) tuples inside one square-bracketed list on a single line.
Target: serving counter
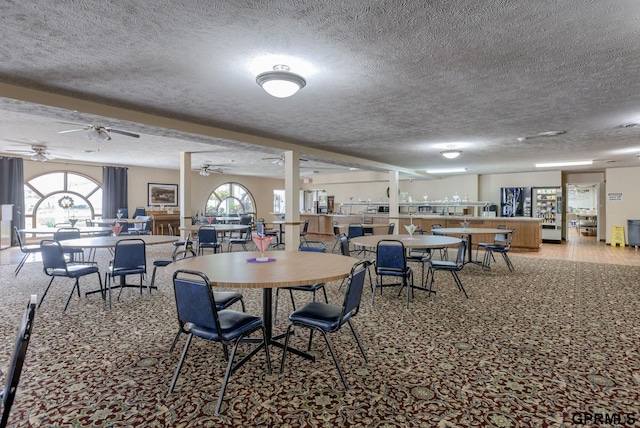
[(527, 236)]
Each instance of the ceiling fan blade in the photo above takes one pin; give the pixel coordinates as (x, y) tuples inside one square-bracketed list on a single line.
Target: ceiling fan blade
[(117, 131), (70, 130), (19, 151)]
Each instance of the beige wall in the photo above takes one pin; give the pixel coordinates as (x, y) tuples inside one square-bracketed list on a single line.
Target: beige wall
[(625, 181), (491, 184), (138, 178)]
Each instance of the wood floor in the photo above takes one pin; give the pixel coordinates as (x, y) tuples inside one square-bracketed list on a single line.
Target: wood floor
[(577, 248)]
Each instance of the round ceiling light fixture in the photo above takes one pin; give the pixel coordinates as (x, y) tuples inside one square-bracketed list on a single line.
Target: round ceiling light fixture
[(280, 83), (451, 154)]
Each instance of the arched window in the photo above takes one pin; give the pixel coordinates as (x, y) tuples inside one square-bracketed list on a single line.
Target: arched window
[(230, 198), (61, 197)]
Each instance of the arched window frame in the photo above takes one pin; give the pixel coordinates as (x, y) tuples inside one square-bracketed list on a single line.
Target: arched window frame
[(85, 196), (230, 191)]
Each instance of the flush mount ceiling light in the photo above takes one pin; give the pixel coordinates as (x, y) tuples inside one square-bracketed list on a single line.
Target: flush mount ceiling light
[(280, 83), (451, 154), (558, 164), (446, 170)]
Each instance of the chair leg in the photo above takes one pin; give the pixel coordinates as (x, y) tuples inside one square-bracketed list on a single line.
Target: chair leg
[(507, 260), (76, 285), (24, 259), (335, 360), (45, 291), (286, 346), (355, 335), (175, 341), (182, 357), (458, 282), (227, 374), (153, 275)]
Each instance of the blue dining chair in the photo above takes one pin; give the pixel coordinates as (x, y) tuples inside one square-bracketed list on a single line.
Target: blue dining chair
[(451, 266), (312, 288), (198, 313), (326, 318), (391, 261), (129, 258), (55, 266)]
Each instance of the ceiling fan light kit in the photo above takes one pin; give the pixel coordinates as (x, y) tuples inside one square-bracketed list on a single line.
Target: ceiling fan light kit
[(451, 154), (280, 83), (97, 134)]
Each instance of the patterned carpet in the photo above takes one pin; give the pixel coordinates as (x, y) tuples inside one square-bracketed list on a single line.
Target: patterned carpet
[(531, 348)]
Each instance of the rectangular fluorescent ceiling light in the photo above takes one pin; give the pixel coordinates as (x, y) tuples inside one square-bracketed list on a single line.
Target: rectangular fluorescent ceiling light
[(556, 164), (446, 170)]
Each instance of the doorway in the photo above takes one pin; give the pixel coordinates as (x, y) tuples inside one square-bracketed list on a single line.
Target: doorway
[(582, 220)]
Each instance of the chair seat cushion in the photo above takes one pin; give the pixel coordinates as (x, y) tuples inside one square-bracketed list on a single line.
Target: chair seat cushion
[(133, 270), (75, 270), (312, 287), (226, 298), (443, 264), (233, 324), (321, 315), (496, 248), (393, 272), (162, 262)]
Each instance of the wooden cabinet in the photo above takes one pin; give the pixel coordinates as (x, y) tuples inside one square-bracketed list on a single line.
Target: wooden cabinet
[(160, 221)]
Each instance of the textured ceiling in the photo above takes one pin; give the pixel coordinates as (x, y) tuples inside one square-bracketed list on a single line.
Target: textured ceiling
[(391, 82)]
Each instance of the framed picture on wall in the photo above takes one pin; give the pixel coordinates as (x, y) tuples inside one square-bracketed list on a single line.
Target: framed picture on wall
[(162, 194)]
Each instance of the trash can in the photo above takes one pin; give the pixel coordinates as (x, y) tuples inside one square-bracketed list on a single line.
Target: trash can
[(633, 228)]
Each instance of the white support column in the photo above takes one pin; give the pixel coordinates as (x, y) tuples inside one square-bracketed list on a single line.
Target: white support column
[(185, 192), (394, 211), (292, 198)]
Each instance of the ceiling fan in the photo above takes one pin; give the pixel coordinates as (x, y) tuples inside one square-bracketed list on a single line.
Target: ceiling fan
[(39, 153), (99, 133), (280, 160), (205, 170)]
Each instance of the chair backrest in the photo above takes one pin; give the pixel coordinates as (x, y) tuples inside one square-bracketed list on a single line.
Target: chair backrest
[(500, 238), (461, 253), (124, 211), (509, 240), (391, 227), (305, 228), (434, 227), (17, 359), (66, 233), (354, 231), (390, 255), (52, 255), (130, 253), (143, 226), (195, 301), (18, 237), (245, 219), (89, 222), (260, 228), (140, 211), (336, 229), (344, 246), (207, 235), (353, 293)]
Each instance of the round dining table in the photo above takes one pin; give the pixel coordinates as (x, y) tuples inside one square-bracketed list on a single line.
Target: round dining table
[(219, 227), (285, 269), (111, 241), (51, 230)]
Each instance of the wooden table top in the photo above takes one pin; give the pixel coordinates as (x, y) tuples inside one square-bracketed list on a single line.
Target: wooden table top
[(290, 268), (218, 227), (417, 241), (52, 230), (110, 241)]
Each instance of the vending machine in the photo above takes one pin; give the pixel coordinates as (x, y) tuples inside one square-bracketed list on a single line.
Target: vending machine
[(548, 207), (515, 202)]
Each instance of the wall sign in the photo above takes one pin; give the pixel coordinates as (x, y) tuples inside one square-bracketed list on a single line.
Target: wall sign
[(615, 196)]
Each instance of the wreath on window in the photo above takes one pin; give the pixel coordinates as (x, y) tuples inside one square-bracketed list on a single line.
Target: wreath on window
[(65, 202)]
